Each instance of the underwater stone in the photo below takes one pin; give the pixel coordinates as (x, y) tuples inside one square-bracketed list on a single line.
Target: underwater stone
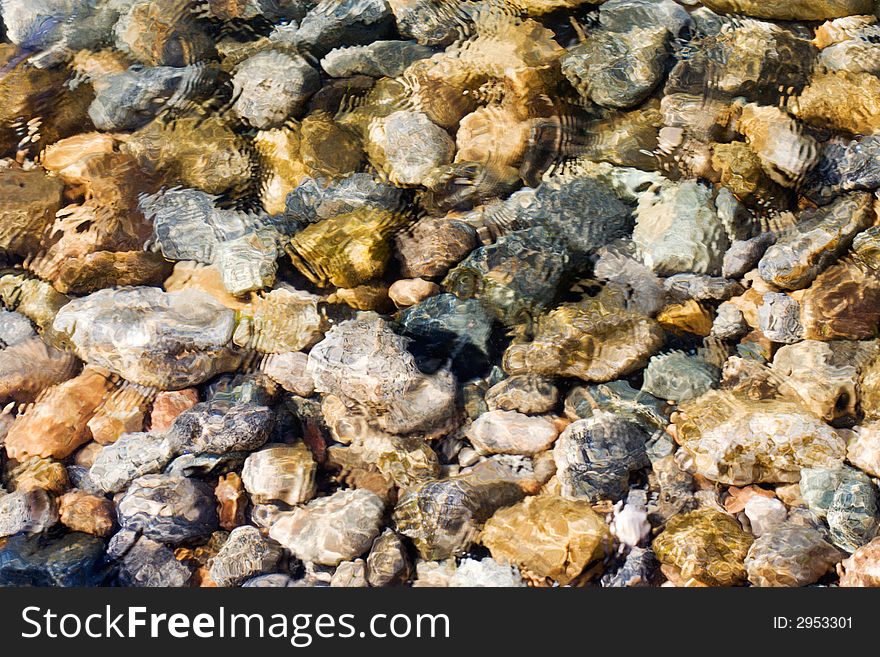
[(818, 485), (71, 560), (132, 456), (678, 376), (706, 545), (819, 237), (863, 450), (524, 393), (388, 562), (331, 529), (188, 334), (271, 86), (779, 318), (407, 146), (861, 569), (31, 511), (845, 166), (790, 556), (288, 370), (30, 366), (432, 245), (678, 230), (740, 441), (592, 340), (332, 23), (245, 554), (85, 512), (617, 69), (218, 427), (792, 10), (31, 200), (853, 516), (510, 432), (548, 536), (168, 405), (280, 472), (148, 563), (485, 572), (840, 100), (594, 457), (378, 59), (443, 518), (410, 291), (167, 508)]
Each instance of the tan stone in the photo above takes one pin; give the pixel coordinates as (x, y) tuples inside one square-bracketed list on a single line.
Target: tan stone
[(549, 536), (410, 291), (57, 423), (35, 473), (84, 512), (862, 569), (841, 101)]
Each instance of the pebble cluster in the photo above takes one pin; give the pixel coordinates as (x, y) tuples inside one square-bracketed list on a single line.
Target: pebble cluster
[(439, 293)]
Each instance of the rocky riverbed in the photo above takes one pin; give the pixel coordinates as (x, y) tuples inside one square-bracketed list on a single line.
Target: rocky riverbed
[(439, 293)]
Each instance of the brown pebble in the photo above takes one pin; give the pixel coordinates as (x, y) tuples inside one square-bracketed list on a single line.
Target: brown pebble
[(84, 512), (231, 501), (169, 405)]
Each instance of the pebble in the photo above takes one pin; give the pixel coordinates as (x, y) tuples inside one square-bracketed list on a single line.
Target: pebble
[(330, 530), (168, 405), (167, 508), (861, 568), (272, 86), (548, 536), (409, 292), (245, 554), (84, 512), (388, 562), (510, 432), (790, 556), (407, 146), (31, 511), (280, 473), (594, 457), (148, 563)]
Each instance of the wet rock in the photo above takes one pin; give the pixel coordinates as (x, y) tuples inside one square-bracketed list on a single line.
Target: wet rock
[(842, 303), (378, 59), (285, 473), (148, 563), (853, 516), (818, 239), (845, 166), (523, 393), (331, 529), (790, 556), (168, 405), (779, 318), (593, 340), (31, 511), (510, 432), (765, 514), (84, 512), (548, 536), (130, 99), (167, 508), (594, 457), (860, 569), (486, 572), (33, 199), (288, 370), (332, 23), (678, 376), (822, 375), (159, 33), (48, 474), (617, 69), (74, 559), (705, 545), (863, 450), (678, 230), (799, 10), (786, 153), (350, 574), (271, 86), (818, 485), (744, 255), (388, 562), (719, 429), (443, 518), (218, 427), (747, 58), (409, 292), (639, 569), (407, 146), (840, 100), (132, 456), (432, 245), (31, 366), (188, 322), (245, 554), (231, 501), (57, 424)]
